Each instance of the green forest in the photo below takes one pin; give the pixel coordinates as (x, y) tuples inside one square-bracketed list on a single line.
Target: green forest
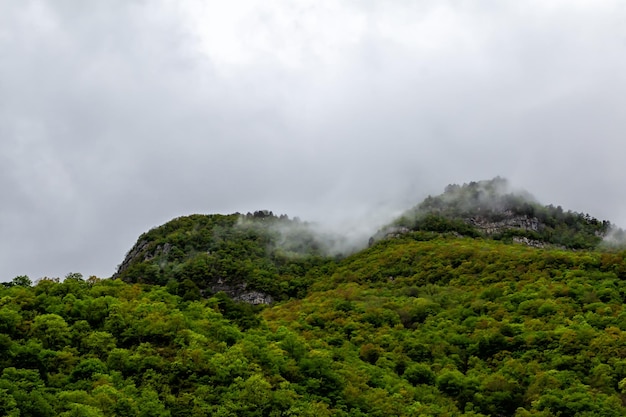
[(440, 319)]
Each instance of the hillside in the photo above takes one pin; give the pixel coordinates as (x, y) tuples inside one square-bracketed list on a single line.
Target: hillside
[(256, 258), (439, 322), (260, 258), (492, 209)]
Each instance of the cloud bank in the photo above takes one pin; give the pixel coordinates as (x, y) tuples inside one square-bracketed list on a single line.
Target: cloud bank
[(117, 116)]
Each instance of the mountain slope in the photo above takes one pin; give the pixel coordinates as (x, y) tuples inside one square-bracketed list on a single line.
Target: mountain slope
[(259, 257), (491, 209), (255, 258), (499, 329), (447, 318), (424, 324)]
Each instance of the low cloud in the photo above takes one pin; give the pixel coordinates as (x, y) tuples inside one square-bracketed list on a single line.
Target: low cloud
[(117, 118)]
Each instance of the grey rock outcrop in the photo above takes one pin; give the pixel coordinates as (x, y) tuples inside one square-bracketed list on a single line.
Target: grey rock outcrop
[(253, 297), (240, 292), (135, 252), (510, 221)]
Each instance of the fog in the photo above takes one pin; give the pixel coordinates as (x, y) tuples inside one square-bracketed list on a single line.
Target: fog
[(117, 116)]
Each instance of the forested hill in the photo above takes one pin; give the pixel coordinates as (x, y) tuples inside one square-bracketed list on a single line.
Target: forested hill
[(437, 322), (258, 257), (417, 325), (492, 209)]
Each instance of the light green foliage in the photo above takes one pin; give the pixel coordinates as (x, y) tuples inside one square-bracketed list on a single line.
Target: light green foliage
[(482, 323), (422, 324), (51, 330)]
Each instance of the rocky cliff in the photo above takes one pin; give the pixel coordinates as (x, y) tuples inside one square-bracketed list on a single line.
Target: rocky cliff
[(511, 221), (244, 256)]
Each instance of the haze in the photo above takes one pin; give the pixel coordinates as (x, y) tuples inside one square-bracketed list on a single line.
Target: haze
[(116, 116)]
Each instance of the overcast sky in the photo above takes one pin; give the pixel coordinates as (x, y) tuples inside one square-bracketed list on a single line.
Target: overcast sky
[(118, 115)]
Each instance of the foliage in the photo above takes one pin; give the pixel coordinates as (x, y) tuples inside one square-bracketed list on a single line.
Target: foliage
[(201, 254), (443, 319), (419, 325), (490, 208)]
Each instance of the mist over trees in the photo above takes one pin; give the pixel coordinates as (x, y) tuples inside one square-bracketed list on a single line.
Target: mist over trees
[(233, 253), (250, 315), (491, 208)]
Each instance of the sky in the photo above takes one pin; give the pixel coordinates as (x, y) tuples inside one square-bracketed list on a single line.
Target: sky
[(119, 115)]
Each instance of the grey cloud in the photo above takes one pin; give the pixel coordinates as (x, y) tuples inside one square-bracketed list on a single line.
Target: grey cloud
[(113, 119)]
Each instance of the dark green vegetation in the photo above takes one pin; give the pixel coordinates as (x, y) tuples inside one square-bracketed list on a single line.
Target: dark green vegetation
[(425, 323), (202, 254), (489, 208)]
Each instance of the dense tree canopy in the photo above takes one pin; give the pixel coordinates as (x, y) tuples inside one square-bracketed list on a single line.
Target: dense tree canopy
[(203, 254), (419, 325), (438, 317)]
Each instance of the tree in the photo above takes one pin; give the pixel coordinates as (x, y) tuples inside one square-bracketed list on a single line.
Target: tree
[(52, 330), (419, 374), (81, 410), (22, 281), (150, 405)]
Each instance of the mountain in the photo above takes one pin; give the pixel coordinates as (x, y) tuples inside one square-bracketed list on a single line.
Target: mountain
[(491, 209), (437, 318), (256, 258), (259, 257)]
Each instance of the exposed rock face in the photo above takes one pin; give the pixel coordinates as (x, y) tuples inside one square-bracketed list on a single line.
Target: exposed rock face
[(510, 221), (254, 297), (239, 292), (396, 232), (135, 253), (487, 226)]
